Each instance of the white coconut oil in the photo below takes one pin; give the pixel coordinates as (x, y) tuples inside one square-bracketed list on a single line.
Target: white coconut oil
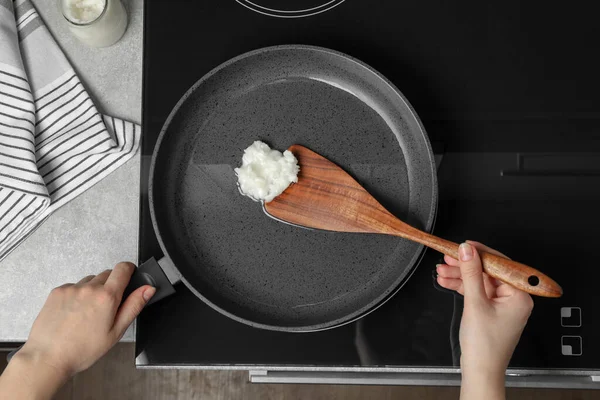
[(97, 23), (265, 173)]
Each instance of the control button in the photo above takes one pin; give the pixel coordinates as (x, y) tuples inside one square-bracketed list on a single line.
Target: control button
[(571, 346), (570, 317)]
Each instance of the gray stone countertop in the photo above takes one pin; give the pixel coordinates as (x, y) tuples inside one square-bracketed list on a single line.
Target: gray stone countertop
[(100, 227)]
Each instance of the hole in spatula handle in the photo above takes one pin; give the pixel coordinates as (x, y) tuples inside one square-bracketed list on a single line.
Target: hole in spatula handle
[(533, 280)]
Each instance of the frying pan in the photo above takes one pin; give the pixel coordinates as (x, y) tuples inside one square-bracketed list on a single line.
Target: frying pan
[(252, 268)]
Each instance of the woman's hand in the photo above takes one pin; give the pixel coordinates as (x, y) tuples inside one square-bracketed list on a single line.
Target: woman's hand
[(493, 319), (78, 324)]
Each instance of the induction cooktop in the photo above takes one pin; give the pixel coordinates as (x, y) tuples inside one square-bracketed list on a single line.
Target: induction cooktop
[(508, 93)]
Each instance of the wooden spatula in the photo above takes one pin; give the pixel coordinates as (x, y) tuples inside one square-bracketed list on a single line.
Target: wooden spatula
[(326, 197)]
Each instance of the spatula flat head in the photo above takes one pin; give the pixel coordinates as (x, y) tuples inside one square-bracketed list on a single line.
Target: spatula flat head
[(326, 197)]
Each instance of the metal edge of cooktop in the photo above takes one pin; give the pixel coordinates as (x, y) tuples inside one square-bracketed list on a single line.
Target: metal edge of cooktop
[(440, 370)]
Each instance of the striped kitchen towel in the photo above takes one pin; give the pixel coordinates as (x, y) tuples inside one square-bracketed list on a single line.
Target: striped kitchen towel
[(54, 144)]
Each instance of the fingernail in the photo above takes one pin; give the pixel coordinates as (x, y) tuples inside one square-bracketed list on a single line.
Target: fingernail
[(465, 252), (148, 293)]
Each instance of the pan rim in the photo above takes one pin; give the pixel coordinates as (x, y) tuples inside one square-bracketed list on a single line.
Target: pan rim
[(428, 227)]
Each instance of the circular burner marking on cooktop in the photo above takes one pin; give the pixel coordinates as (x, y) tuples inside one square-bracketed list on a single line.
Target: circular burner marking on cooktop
[(290, 9)]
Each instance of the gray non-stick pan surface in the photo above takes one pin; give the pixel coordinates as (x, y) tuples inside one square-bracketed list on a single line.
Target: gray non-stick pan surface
[(250, 267)]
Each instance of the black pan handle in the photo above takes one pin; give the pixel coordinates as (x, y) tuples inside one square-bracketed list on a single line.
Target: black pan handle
[(150, 273)]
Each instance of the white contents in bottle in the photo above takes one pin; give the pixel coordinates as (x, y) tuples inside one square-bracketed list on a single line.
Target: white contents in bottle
[(98, 23), (265, 173), (84, 11)]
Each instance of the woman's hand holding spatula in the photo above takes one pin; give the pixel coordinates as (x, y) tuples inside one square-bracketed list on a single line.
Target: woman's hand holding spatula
[(495, 310), (494, 316)]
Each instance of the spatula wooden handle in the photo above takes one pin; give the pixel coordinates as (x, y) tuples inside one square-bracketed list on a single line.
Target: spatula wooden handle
[(519, 275)]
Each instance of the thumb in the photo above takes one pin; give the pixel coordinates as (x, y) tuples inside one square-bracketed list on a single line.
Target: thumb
[(471, 272), (131, 308)]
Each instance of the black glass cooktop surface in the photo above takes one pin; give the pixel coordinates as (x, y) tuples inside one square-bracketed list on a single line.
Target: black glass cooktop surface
[(508, 93)]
